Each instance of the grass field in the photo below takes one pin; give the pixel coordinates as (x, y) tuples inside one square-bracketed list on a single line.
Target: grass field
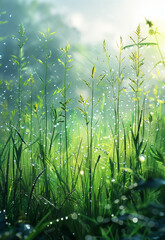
[(90, 169)]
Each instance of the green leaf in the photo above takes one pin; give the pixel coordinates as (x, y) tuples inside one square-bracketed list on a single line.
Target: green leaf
[(81, 110), (2, 13), (104, 46), (133, 81), (61, 62), (102, 105), (13, 56), (70, 60), (86, 101), (15, 61), (3, 22), (97, 102), (63, 49), (67, 101), (52, 33), (47, 31), (40, 77), (40, 61), (93, 72), (141, 83), (81, 98), (67, 47), (43, 34), (132, 88), (156, 154), (69, 68), (139, 44), (150, 117), (87, 84), (102, 77), (49, 55)]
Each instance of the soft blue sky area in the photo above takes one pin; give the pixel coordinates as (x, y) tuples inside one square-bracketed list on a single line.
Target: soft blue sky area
[(99, 19)]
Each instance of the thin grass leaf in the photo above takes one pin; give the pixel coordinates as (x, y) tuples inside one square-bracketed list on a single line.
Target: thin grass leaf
[(93, 72), (39, 227), (98, 159), (86, 83), (18, 154), (5, 145), (62, 183), (139, 44), (156, 154), (32, 190), (139, 125)]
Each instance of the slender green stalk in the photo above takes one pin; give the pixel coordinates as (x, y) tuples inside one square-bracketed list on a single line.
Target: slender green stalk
[(116, 83), (65, 114), (45, 93), (85, 104), (135, 85), (67, 67), (19, 61), (138, 32), (47, 38), (91, 148), (119, 83), (33, 187)]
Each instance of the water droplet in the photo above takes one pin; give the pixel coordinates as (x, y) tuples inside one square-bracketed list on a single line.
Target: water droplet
[(116, 201), (108, 206), (100, 219), (135, 220), (74, 216), (142, 158)]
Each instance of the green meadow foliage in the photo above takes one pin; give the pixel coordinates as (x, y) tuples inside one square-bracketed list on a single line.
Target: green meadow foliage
[(69, 170)]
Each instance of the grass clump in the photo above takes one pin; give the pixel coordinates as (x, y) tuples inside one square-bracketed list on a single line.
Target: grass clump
[(98, 183)]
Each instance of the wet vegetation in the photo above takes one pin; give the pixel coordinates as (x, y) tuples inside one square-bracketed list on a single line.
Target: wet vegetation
[(86, 168)]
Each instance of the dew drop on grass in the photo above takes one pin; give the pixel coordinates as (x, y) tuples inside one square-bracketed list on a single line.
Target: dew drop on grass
[(81, 172), (100, 219), (123, 197), (142, 158), (74, 216), (108, 206), (121, 207), (135, 220), (116, 201)]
